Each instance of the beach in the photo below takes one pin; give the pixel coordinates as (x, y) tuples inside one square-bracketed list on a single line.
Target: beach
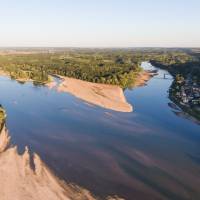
[(106, 96), (103, 95), (22, 181), (142, 78)]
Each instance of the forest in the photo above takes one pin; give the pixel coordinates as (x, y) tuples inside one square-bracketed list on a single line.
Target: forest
[(110, 66), (183, 66)]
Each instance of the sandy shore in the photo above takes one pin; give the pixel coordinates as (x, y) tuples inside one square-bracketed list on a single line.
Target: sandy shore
[(103, 95), (142, 78), (26, 177), (19, 181), (51, 84), (106, 96), (3, 73)]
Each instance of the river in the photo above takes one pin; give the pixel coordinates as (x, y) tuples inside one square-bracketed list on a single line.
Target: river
[(150, 153)]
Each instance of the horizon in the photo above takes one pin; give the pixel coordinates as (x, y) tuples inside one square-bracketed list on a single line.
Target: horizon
[(105, 24), (96, 47)]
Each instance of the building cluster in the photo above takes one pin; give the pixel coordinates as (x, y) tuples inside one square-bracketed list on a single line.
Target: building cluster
[(188, 93)]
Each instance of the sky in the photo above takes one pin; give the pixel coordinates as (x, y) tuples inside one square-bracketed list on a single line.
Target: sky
[(100, 23)]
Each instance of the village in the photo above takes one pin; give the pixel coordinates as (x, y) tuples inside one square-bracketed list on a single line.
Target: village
[(187, 92)]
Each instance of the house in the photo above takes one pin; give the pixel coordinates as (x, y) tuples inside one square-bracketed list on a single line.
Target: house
[(185, 99)]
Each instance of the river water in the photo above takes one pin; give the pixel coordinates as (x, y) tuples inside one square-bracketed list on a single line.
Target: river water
[(151, 153)]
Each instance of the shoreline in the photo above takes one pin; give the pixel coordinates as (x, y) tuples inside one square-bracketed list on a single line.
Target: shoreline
[(24, 80), (25, 176), (19, 180), (103, 95), (184, 111), (143, 77)]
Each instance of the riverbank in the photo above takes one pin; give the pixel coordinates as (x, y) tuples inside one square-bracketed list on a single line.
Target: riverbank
[(24, 80), (103, 95), (143, 77), (20, 181), (26, 177), (185, 111), (4, 73), (184, 90)]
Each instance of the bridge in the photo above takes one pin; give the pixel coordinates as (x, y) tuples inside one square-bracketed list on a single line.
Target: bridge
[(165, 76)]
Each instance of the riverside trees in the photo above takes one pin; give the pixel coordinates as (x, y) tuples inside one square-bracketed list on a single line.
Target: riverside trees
[(110, 66)]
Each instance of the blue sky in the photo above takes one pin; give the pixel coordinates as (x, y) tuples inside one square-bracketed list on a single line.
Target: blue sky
[(100, 23)]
